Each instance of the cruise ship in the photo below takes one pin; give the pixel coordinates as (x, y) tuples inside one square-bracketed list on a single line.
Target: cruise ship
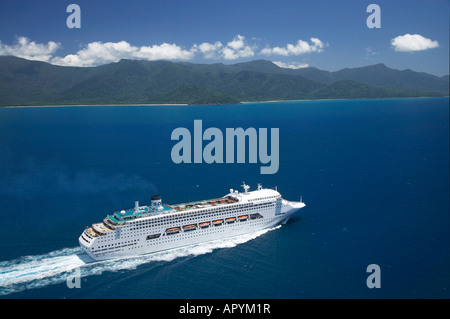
[(148, 229)]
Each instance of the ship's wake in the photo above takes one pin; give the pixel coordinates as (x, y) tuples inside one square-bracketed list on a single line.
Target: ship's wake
[(56, 267)]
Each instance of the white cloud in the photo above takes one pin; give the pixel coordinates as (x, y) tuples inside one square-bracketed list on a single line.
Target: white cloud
[(370, 51), (97, 53), (209, 51), (301, 47), (24, 48), (71, 60), (291, 65), (237, 43), (164, 51), (235, 49), (230, 54), (413, 42), (100, 53), (371, 54)]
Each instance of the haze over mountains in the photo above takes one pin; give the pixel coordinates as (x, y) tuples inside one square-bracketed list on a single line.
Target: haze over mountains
[(24, 82)]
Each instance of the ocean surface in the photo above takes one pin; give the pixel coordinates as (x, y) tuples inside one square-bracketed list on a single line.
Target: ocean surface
[(374, 175)]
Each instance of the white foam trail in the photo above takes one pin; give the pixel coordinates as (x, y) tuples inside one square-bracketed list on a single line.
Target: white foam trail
[(42, 270)]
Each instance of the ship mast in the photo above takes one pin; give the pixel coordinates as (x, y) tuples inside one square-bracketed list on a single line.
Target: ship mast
[(246, 187)]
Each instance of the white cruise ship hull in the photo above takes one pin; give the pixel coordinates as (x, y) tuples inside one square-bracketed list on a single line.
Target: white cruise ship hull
[(178, 228)]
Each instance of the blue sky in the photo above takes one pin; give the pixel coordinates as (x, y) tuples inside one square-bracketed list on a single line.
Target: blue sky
[(326, 34)]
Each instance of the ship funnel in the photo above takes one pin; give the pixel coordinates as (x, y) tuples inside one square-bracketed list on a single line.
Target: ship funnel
[(136, 206), (156, 202)]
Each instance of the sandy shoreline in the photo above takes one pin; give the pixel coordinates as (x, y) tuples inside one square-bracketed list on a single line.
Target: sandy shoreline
[(77, 105), (185, 104)]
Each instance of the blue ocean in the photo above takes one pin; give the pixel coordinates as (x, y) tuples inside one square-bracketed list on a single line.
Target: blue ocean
[(374, 175)]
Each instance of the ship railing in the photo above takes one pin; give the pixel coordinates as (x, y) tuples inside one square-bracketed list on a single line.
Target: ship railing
[(226, 200), (113, 223), (97, 229), (91, 232), (109, 223)]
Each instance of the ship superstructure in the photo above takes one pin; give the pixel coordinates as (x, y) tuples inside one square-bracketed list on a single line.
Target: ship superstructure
[(148, 229)]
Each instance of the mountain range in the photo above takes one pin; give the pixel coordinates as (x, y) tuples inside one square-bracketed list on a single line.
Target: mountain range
[(24, 82)]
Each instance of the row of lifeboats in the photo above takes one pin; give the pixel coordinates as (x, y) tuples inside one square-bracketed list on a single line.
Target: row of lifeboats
[(218, 222)]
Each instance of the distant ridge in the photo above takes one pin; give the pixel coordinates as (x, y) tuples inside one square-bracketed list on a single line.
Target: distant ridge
[(24, 82)]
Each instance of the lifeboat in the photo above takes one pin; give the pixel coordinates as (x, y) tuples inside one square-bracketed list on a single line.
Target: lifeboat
[(173, 230), (218, 222), (243, 218), (230, 220), (189, 227), (205, 224)]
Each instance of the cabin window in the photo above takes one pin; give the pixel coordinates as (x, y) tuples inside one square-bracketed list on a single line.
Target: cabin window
[(153, 236)]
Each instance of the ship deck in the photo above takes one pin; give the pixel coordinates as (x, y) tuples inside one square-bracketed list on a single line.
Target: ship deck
[(146, 211), (204, 204), (143, 211)]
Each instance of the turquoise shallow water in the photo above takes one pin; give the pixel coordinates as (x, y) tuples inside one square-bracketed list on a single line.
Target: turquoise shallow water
[(373, 173)]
